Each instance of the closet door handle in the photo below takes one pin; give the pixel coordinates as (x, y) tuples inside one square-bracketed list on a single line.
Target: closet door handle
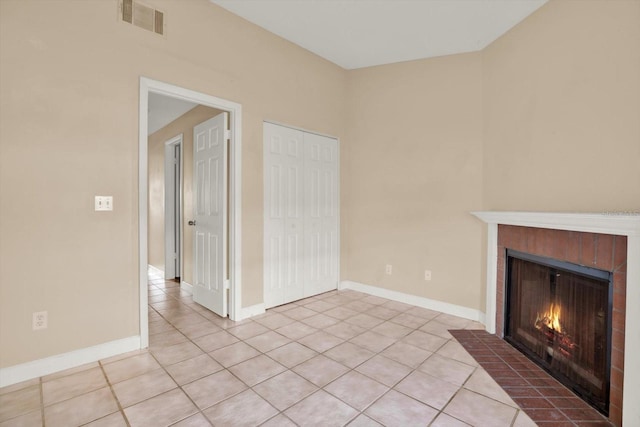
[(192, 223)]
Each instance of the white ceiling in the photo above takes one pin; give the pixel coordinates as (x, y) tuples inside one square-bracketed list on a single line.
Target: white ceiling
[(164, 109), (362, 33)]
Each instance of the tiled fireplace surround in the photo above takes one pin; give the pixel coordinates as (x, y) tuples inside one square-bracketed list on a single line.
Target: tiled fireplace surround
[(580, 242), (602, 251)]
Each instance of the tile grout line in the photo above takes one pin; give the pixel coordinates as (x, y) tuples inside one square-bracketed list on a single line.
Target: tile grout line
[(379, 353), (441, 411), (350, 369), (113, 393), (179, 386), (318, 353), (224, 368)]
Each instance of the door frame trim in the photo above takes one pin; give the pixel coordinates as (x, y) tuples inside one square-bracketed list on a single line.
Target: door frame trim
[(170, 202), (235, 192)]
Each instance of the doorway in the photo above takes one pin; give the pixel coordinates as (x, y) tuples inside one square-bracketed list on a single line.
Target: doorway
[(234, 111)]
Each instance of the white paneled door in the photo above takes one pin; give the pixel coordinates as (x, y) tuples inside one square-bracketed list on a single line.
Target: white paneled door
[(321, 213), (300, 214), (210, 140)]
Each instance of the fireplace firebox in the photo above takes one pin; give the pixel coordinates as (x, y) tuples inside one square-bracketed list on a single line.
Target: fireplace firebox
[(559, 315)]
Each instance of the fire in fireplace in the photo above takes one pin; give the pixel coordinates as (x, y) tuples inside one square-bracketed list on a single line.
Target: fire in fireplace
[(559, 315)]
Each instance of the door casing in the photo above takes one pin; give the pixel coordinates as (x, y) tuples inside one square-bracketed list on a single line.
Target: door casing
[(235, 192), (172, 209)]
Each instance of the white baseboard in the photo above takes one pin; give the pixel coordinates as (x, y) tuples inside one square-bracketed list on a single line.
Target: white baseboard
[(251, 311), (187, 287), (444, 307), (155, 271), (60, 362)]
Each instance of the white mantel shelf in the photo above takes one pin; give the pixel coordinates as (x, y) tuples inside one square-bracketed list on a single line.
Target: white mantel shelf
[(605, 223), (616, 223)]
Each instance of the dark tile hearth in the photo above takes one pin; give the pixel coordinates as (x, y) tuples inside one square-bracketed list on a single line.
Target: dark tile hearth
[(544, 399)]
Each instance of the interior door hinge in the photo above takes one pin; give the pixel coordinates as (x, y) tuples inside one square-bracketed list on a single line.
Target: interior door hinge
[(227, 135), (227, 284)]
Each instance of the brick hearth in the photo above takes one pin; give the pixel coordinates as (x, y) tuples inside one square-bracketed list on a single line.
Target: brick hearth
[(547, 402)]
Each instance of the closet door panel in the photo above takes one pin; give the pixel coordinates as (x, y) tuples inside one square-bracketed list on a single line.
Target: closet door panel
[(321, 216), (283, 225)]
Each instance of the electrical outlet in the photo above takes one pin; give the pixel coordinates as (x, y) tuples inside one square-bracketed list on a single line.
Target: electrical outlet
[(39, 320), (427, 275), (388, 269)]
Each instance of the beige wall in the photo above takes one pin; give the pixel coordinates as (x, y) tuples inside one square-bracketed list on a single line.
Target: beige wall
[(422, 144), (69, 79), (562, 110), (182, 125), (413, 171), (429, 141)]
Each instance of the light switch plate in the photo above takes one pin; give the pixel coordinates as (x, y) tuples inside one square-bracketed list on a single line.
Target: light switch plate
[(104, 203)]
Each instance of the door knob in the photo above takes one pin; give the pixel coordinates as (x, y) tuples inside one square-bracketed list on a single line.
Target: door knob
[(191, 223)]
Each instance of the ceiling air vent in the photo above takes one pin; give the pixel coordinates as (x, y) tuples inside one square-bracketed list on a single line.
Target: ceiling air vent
[(143, 16)]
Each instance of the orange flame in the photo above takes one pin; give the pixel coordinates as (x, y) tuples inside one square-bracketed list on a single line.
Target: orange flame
[(551, 318)]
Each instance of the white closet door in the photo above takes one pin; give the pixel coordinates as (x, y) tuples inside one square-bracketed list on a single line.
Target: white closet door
[(300, 214), (284, 221), (321, 214)]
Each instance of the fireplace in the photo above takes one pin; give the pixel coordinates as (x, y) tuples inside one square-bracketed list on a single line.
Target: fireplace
[(559, 315), (609, 241)]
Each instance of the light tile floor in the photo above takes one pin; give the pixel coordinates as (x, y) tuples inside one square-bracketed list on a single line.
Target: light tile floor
[(340, 358)]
